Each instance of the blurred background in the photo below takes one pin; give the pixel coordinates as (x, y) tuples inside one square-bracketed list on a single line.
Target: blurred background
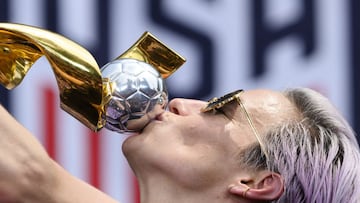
[(228, 45)]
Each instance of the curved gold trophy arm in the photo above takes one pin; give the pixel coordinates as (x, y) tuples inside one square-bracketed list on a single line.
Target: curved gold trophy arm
[(150, 50), (76, 71), (83, 92)]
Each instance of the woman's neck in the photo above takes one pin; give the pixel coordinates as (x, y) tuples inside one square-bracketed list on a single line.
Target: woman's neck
[(162, 190)]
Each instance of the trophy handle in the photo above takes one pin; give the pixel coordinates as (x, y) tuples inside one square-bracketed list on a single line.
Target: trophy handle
[(77, 73), (152, 51)]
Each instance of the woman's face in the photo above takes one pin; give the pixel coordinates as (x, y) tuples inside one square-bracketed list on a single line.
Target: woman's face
[(197, 148)]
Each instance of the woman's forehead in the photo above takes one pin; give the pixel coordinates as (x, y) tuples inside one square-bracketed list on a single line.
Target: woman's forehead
[(262, 105), (265, 99)]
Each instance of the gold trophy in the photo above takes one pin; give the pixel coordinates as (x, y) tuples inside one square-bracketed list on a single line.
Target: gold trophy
[(123, 96)]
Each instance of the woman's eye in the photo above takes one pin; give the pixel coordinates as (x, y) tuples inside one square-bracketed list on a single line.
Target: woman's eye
[(219, 111)]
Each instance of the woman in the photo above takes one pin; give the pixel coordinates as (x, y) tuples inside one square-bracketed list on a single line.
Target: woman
[(253, 146)]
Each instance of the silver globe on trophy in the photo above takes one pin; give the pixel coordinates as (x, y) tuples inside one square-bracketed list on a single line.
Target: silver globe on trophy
[(123, 96)]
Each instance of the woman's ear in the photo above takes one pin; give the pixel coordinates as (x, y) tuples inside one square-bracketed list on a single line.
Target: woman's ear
[(265, 185)]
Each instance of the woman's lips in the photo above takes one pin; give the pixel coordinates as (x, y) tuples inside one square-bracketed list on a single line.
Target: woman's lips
[(160, 116)]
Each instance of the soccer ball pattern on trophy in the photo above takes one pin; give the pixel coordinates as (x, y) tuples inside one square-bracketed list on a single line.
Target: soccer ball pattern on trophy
[(136, 88)]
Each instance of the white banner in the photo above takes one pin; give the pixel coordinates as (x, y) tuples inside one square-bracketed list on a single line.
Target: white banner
[(228, 45)]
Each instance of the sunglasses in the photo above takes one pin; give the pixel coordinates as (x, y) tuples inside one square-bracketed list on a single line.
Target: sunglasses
[(217, 103)]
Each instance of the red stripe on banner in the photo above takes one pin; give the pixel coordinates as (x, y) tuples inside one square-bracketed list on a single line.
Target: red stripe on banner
[(49, 116), (136, 191), (94, 159)]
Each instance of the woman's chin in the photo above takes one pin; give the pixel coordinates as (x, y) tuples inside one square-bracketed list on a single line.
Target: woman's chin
[(131, 143)]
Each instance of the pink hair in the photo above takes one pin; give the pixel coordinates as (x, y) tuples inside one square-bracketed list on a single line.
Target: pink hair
[(318, 155)]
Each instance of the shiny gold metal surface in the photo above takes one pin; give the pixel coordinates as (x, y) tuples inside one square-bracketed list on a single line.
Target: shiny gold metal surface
[(82, 93), (76, 71), (150, 50)]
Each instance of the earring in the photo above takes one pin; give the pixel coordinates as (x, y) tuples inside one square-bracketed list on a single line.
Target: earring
[(244, 193)]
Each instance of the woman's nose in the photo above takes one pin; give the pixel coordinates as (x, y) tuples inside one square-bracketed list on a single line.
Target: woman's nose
[(185, 106)]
